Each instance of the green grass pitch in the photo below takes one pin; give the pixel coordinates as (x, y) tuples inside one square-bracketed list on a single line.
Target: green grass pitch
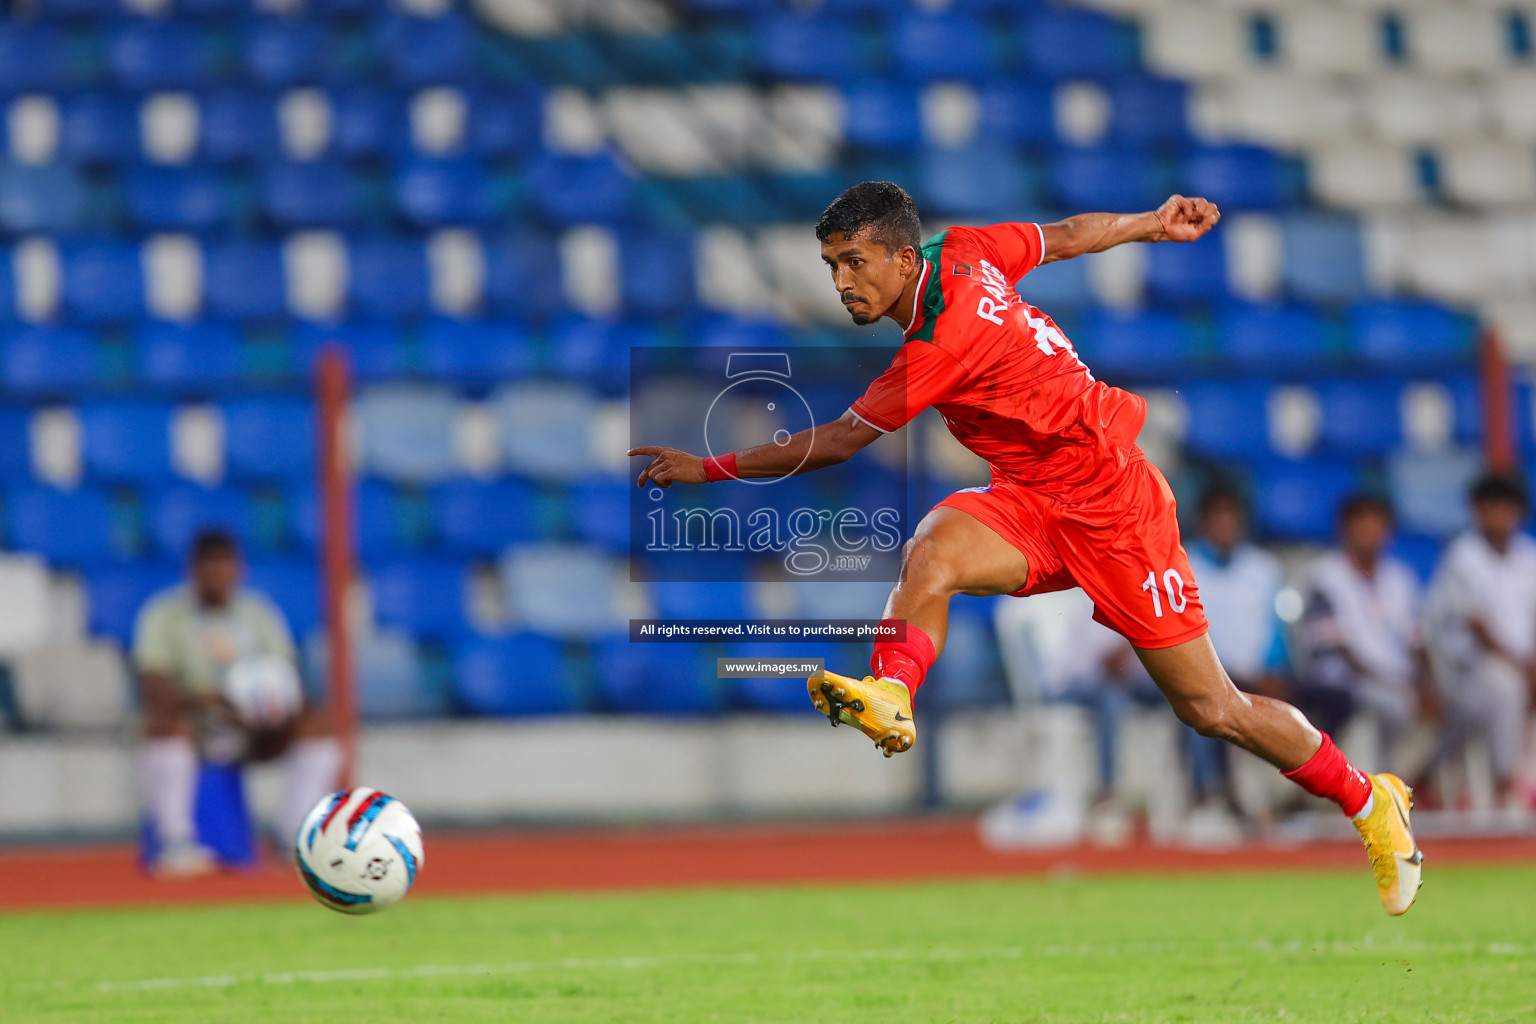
[(1306, 946)]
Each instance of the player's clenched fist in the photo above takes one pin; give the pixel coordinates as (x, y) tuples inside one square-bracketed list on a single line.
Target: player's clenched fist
[(1185, 219), (669, 466)]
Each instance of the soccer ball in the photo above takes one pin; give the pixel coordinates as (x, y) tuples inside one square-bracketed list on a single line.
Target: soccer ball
[(359, 851), (264, 690)]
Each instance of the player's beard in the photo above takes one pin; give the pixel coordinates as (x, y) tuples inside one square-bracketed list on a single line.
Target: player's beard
[(861, 319)]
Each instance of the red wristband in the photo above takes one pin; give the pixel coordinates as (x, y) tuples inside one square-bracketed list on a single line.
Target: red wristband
[(723, 468)]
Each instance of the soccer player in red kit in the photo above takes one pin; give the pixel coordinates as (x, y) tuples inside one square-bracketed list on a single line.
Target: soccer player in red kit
[(1072, 502)]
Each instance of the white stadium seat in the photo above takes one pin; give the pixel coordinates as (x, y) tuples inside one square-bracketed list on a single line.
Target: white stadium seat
[(1195, 40), (1511, 99), (72, 686), (1466, 259), (1328, 39), (1489, 173), (1513, 322), (1277, 108), (659, 132), (1418, 109), (1456, 39), (1363, 175)]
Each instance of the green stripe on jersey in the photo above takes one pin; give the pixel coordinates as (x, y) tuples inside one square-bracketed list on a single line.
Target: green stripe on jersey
[(933, 293)]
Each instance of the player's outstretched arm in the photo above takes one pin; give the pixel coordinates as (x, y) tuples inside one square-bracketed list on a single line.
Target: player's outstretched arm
[(815, 448), (1180, 219)]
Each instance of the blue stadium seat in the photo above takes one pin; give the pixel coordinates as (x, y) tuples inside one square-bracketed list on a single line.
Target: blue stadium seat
[(408, 433), (1235, 177), (244, 280), (656, 274), (281, 52), (347, 10), (392, 681), (176, 198), (545, 429), (1188, 273), (425, 597), (115, 594), (1062, 285), (145, 54), (478, 518), (49, 199), (32, 57), (373, 348), (127, 441), (1109, 178), (470, 349), (725, 331), (99, 127), (455, 190), (103, 280), (377, 525), (594, 350), (368, 123), (188, 355), (428, 51), (270, 438), (1466, 392), (700, 600), (1281, 337), (1407, 335), (522, 274), (984, 181), (1298, 500), (178, 513), (1065, 42), (1013, 111), (51, 360), (1324, 257), (1151, 343), (388, 277), (210, 9), (1361, 417), (563, 589), (78, 10), (1421, 554), (882, 116), (659, 678), (576, 189), (1227, 419), (600, 511), (941, 44), (293, 586), (238, 126), (15, 443), (522, 674), (716, 198), (309, 194), (808, 47), (65, 527), (1147, 110), (505, 123), (781, 696)]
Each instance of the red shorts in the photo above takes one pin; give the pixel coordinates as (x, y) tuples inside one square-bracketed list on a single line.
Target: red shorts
[(1122, 547)]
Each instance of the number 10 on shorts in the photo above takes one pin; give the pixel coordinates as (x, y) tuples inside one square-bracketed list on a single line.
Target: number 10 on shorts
[(1173, 583)]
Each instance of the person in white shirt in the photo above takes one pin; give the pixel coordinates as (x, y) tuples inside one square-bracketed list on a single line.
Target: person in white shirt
[(1360, 631), (1239, 582), (1480, 623)]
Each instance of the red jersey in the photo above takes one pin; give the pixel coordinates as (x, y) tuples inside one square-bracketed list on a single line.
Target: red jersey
[(1006, 380)]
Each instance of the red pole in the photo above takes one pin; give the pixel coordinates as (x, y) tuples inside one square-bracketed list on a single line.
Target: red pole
[(1498, 421), (338, 569)]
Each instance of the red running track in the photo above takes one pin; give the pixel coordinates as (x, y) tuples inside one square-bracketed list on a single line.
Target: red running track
[(477, 863)]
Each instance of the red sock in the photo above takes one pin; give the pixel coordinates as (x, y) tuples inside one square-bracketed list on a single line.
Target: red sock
[(1329, 774), (906, 660)]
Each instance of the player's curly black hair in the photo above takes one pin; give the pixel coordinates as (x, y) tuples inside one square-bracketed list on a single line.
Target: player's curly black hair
[(1500, 487), (881, 206)]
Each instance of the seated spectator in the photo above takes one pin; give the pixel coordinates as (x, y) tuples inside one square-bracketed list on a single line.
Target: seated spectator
[(1480, 623), (1239, 582), (187, 643), (1360, 631)]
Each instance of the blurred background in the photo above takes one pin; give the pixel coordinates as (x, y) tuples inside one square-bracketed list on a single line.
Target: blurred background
[(486, 205)]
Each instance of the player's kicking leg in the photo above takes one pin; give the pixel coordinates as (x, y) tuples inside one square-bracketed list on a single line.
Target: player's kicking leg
[(951, 553), (1202, 695)]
